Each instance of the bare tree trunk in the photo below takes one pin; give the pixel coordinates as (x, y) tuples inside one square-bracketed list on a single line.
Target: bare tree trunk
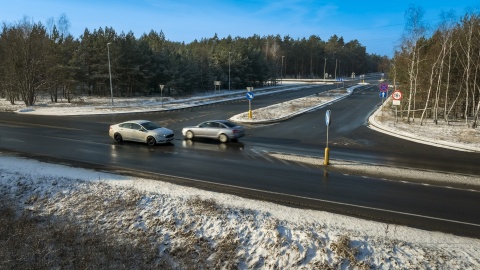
[(475, 88), (440, 62), (415, 31), (467, 52), (430, 86), (448, 110), (411, 87), (415, 85), (448, 25)]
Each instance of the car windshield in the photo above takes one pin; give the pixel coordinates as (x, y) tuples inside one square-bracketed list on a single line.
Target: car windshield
[(150, 126)]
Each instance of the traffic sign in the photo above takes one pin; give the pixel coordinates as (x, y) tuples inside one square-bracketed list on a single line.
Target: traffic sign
[(397, 95), (383, 87), (383, 94), (327, 117), (249, 95)]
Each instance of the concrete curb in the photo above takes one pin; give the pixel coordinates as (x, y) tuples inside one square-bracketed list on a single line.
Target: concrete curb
[(377, 126)]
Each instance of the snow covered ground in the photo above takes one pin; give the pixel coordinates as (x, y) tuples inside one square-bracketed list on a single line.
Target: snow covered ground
[(220, 231)]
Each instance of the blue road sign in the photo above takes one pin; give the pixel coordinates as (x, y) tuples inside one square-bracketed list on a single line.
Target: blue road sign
[(383, 87), (383, 94), (249, 95), (327, 117)]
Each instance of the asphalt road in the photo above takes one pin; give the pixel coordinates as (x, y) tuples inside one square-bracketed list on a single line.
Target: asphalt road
[(244, 168)]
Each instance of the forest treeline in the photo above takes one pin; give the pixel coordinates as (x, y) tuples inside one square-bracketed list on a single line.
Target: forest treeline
[(438, 69), (39, 58)]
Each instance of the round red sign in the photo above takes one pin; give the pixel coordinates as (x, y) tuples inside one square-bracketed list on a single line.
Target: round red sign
[(397, 95)]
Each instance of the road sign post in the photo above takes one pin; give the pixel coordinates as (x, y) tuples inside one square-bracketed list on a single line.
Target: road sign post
[(397, 97), (383, 93), (161, 92), (327, 150), (249, 97), (215, 84), (396, 120)]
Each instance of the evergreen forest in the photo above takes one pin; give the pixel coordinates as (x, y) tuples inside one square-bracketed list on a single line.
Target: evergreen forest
[(46, 59)]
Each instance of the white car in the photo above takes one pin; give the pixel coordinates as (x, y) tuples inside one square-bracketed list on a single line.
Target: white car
[(141, 131)]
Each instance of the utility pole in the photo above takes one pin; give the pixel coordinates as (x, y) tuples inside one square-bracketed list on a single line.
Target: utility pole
[(110, 71)]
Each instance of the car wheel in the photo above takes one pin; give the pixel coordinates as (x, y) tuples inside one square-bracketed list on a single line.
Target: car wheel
[(223, 138), (189, 135), (151, 141), (117, 137)]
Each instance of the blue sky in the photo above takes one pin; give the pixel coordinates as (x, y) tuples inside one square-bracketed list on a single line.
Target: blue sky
[(378, 25)]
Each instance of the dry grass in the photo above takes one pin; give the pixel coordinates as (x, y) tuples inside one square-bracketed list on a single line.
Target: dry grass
[(28, 241), (81, 229), (342, 248), (208, 206)]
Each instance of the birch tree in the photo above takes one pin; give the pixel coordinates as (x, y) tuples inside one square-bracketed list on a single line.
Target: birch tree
[(415, 31), (465, 55), (475, 20), (442, 40)]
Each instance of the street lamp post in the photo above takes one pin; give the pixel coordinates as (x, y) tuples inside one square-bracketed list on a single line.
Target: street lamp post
[(324, 70), (336, 60), (339, 68), (110, 71), (229, 53), (281, 71)]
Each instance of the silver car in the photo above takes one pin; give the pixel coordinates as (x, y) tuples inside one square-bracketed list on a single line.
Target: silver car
[(221, 130), (141, 131)]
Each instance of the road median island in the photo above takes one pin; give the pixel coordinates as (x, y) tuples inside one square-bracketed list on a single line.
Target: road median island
[(285, 110), (289, 109)]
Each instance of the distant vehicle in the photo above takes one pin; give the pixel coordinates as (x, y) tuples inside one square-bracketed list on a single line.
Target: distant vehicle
[(221, 130), (141, 131)]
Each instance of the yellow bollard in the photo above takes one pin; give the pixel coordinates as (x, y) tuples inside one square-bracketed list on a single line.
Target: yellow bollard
[(327, 152), (249, 114)]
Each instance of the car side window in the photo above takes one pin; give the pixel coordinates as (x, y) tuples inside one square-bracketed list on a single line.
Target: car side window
[(215, 125), (150, 126), (125, 125), (136, 127), (229, 124), (205, 125)]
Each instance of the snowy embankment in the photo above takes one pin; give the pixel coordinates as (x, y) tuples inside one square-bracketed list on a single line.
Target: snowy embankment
[(186, 226)]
